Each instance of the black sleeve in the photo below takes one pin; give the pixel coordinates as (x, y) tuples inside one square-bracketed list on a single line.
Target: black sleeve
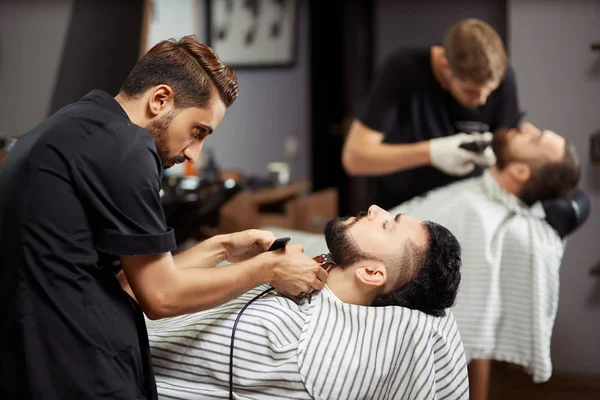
[(389, 89), (507, 111), (119, 181)]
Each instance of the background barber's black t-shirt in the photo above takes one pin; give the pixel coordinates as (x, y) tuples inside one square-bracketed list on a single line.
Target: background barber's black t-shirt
[(79, 190), (408, 105)]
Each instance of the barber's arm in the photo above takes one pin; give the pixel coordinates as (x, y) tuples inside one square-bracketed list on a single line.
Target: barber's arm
[(165, 287), (365, 152)]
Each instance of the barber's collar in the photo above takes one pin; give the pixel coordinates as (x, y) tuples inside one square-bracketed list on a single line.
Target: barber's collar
[(495, 193), (104, 100)]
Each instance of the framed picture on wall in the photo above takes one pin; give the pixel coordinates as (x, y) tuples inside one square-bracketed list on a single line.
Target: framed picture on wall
[(164, 19), (253, 33)]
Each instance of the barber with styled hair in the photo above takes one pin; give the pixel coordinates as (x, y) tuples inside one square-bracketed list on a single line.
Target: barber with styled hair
[(423, 105), (80, 202)]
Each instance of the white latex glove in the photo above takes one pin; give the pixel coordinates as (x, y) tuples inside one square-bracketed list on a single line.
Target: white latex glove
[(448, 157), (487, 158)]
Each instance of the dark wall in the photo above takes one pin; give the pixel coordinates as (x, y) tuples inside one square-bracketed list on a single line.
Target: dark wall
[(32, 35), (101, 47), (408, 23), (341, 52)]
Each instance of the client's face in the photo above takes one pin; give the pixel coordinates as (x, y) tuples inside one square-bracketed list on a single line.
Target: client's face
[(375, 234), (532, 150), (528, 144)]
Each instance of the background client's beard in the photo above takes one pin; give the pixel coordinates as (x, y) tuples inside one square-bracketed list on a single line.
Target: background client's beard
[(500, 147), (158, 129)]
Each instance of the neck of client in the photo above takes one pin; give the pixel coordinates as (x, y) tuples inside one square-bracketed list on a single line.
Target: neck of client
[(347, 287), (506, 180)]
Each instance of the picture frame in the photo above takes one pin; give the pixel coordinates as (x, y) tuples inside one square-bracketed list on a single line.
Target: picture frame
[(164, 19), (253, 33)]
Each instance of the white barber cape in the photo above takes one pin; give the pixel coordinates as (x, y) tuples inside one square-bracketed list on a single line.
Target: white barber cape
[(508, 296), (323, 350)]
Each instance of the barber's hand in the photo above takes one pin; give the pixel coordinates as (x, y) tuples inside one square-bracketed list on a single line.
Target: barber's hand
[(294, 272), (487, 158), (247, 244), (448, 157)]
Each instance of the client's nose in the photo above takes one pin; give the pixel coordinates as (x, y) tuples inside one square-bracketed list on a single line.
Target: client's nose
[(374, 211)]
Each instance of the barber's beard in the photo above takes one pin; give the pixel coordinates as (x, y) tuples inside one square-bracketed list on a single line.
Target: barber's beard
[(159, 131), (340, 243)]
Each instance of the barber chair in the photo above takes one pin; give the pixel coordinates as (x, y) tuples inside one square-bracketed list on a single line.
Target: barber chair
[(566, 214)]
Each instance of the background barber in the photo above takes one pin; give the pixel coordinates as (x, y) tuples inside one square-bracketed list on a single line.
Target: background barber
[(80, 198), (423, 104)]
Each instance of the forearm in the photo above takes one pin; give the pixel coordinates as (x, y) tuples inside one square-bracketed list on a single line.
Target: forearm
[(383, 158), (167, 286), (365, 153), (196, 289), (176, 291), (204, 289), (206, 254)]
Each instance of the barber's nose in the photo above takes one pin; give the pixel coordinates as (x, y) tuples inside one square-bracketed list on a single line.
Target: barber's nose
[(192, 152), (482, 98)]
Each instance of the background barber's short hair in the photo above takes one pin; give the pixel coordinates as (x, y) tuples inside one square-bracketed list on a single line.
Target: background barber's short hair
[(475, 52), (436, 285), (189, 67)]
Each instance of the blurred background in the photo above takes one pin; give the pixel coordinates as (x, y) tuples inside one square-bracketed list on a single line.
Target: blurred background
[(303, 68)]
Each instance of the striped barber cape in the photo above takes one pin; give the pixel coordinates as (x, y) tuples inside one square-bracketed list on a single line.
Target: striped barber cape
[(509, 290), (323, 350)]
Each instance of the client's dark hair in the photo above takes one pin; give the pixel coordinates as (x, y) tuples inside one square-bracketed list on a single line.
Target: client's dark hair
[(550, 180), (436, 285)]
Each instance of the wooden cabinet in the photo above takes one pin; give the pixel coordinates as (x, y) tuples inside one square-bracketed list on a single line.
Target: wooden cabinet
[(292, 206)]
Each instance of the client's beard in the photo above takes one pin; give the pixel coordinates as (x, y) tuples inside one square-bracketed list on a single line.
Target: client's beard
[(499, 146), (342, 247), (536, 187), (158, 129)]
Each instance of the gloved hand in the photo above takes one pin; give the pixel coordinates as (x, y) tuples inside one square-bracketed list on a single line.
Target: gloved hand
[(448, 157), (488, 158)]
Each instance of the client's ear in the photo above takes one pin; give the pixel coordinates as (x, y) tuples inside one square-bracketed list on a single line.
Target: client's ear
[(519, 171), (372, 274)]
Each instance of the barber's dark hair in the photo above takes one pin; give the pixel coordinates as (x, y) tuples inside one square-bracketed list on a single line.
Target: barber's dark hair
[(552, 179), (189, 67), (436, 285)]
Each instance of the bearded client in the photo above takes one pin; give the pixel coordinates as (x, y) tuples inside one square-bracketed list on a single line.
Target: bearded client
[(381, 328)]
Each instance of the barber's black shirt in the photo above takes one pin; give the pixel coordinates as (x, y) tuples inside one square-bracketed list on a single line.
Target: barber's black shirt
[(79, 190), (408, 105)]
